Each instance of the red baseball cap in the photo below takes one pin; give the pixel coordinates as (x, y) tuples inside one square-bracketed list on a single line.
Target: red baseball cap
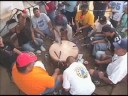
[(25, 59)]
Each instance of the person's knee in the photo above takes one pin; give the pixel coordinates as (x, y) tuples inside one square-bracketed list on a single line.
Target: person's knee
[(28, 47), (39, 41), (99, 54)]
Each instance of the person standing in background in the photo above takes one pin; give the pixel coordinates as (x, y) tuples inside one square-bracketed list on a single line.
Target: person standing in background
[(99, 9)]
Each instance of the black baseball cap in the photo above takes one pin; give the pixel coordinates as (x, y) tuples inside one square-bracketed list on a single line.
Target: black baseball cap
[(121, 44), (102, 19)]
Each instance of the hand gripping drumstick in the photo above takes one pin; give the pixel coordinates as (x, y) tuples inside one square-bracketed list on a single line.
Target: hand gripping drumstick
[(59, 58)]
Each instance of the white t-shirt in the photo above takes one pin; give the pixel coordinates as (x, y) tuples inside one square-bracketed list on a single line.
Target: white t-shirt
[(99, 26), (39, 64), (117, 69), (118, 7), (41, 22), (77, 78)]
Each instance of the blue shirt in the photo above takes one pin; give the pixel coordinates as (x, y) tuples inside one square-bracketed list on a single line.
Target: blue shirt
[(72, 6)]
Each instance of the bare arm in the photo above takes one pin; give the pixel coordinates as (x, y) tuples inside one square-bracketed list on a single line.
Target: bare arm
[(77, 24), (22, 21), (98, 41), (107, 61), (17, 51), (55, 74), (51, 27), (105, 79), (38, 31), (85, 26)]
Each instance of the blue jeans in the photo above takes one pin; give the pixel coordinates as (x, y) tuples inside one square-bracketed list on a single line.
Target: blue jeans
[(49, 90), (30, 45), (99, 47), (48, 32), (51, 15)]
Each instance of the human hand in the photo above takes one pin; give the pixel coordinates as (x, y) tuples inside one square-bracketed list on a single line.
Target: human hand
[(35, 42), (57, 70), (97, 61), (101, 74), (31, 53), (108, 52), (94, 42), (78, 29)]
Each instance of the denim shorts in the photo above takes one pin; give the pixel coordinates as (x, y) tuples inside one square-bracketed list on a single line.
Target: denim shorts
[(49, 90)]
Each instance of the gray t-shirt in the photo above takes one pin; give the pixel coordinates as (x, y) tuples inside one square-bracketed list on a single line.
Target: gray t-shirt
[(41, 22)]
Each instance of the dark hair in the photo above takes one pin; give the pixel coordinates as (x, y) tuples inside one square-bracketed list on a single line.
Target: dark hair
[(34, 9), (70, 59), (21, 69), (18, 15), (85, 6), (108, 28)]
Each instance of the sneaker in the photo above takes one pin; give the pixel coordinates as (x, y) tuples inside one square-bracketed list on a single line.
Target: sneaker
[(96, 82), (38, 52), (42, 48)]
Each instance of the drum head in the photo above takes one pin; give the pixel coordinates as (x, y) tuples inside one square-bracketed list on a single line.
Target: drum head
[(63, 50)]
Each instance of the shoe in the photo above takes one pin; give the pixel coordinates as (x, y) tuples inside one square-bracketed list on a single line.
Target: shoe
[(42, 48), (96, 82), (38, 52)]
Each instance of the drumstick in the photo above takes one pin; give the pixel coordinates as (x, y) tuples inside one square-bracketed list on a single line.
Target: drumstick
[(56, 54), (76, 33), (59, 54), (85, 44)]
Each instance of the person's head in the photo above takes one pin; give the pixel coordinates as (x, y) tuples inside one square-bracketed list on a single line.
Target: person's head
[(19, 16), (84, 7), (70, 60), (25, 62), (103, 20), (60, 20), (126, 8), (1, 41), (108, 30), (121, 47), (36, 12)]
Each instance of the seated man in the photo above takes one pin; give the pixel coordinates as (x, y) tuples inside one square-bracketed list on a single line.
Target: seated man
[(60, 21), (63, 34), (103, 49), (42, 23), (31, 77), (84, 20), (8, 54), (25, 34), (97, 31), (117, 69), (76, 78)]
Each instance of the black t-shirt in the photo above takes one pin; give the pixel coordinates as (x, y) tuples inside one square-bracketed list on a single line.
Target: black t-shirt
[(24, 36), (111, 40), (7, 56), (99, 5)]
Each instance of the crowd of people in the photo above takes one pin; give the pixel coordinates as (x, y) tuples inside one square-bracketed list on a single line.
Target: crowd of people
[(62, 19)]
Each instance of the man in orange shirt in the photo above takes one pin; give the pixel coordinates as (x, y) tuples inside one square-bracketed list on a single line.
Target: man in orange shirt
[(31, 76), (84, 19)]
